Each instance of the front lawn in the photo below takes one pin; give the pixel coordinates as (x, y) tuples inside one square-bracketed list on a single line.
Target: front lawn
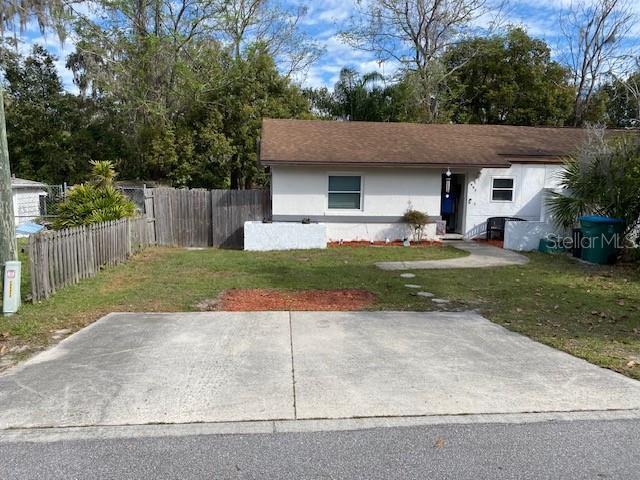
[(165, 279), (591, 312)]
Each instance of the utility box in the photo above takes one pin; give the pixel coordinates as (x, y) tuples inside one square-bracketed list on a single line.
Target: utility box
[(11, 298)]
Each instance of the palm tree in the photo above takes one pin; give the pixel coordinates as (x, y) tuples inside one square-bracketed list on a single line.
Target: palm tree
[(602, 179), (103, 173), (352, 93)]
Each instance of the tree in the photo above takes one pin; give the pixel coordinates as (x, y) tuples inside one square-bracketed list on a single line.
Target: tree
[(254, 90), (321, 102), (188, 96), (623, 100), (507, 79), (52, 135), (272, 24), (594, 33), (416, 34), (604, 179), (358, 97), (15, 14), (367, 97), (47, 12)]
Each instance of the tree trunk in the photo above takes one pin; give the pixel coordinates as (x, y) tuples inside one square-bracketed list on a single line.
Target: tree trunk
[(8, 247), (235, 178)]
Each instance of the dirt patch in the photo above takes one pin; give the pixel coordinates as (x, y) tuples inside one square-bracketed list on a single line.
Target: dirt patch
[(207, 305), (394, 243), (260, 299)]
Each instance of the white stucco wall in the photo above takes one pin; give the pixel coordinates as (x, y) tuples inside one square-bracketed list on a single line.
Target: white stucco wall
[(386, 192), (375, 231), (260, 236), (526, 236), (529, 184), (26, 204)]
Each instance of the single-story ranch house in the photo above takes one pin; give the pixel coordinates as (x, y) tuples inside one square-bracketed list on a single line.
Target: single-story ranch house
[(359, 178)]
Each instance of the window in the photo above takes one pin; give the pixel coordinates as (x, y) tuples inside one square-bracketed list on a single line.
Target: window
[(345, 192), (502, 190)]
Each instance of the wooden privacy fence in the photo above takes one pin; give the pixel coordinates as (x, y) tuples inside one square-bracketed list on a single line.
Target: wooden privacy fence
[(201, 218), (63, 257), (187, 218)]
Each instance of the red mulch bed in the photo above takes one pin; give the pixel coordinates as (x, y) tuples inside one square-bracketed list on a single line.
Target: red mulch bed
[(260, 299), (394, 243)]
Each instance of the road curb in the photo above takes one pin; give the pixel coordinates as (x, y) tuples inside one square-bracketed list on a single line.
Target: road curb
[(101, 432)]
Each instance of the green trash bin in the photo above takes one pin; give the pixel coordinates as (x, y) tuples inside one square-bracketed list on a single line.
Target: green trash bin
[(601, 237)]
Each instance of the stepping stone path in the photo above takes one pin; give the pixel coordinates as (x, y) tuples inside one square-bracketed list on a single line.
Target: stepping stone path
[(422, 294), (425, 294)]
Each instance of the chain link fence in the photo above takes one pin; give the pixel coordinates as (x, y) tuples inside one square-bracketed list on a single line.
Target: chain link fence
[(136, 195), (36, 203)]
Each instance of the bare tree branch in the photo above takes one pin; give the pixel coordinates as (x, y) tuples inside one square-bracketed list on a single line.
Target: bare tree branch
[(594, 33), (416, 34), (267, 21)]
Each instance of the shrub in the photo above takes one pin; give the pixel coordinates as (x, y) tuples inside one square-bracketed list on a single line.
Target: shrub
[(94, 202), (417, 221), (603, 179)]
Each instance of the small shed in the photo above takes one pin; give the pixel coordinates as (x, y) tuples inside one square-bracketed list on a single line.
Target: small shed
[(27, 202)]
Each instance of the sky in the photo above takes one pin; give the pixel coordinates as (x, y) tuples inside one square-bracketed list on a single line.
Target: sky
[(326, 18)]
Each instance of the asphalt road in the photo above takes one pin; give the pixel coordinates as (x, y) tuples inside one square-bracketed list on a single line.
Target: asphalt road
[(548, 450)]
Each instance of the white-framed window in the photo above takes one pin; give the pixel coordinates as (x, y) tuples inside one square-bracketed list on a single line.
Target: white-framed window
[(345, 192), (502, 189)]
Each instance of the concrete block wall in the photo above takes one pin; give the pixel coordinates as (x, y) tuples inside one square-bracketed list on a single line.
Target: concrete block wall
[(260, 236)]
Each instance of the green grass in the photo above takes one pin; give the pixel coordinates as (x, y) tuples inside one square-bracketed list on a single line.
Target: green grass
[(591, 312), (167, 279)]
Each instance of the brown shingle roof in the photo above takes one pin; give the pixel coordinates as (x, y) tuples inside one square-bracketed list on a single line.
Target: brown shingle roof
[(318, 142)]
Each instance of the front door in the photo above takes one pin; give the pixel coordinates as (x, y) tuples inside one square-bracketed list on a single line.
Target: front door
[(451, 201)]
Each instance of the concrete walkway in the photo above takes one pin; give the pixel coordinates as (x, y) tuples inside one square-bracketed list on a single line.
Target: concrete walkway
[(136, 369), (481, 256)]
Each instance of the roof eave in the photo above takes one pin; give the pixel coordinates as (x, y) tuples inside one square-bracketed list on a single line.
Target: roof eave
[(298, 163)]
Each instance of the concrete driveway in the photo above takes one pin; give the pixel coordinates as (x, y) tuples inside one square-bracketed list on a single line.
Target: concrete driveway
[(131, 369)]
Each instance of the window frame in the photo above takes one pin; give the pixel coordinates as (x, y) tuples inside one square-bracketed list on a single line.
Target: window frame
[(503, 189), (359, 192)]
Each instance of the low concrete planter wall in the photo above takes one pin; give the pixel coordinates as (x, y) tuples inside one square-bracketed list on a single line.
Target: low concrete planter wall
[(260, 236), (526, 236)]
